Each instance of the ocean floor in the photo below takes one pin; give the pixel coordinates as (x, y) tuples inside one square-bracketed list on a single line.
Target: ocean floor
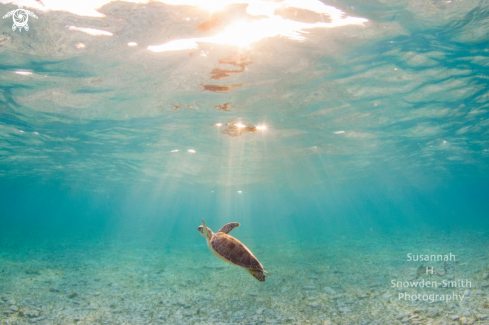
[(335, 281)]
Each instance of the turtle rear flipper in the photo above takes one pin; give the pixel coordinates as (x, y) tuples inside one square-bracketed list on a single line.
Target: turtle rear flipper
[(259, 275)]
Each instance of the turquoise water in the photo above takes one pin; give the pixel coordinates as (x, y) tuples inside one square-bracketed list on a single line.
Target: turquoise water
[(341, 138)]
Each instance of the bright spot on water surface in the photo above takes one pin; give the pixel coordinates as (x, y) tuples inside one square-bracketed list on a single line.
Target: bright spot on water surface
[(191, 150), (24, 73), (91, 31)]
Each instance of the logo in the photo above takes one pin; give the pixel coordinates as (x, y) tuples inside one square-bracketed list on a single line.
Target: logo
[(20, 17)]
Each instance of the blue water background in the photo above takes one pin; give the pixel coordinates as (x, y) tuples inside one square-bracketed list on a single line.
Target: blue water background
[(383, 141)]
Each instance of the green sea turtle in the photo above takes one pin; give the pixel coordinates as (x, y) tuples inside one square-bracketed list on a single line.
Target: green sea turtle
[(231, 250)]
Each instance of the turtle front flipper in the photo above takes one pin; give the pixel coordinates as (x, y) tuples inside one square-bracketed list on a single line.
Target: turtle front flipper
[(259, 275), (205, 228), (228, 227)]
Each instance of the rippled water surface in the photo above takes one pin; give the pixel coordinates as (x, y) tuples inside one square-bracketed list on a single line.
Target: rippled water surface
[(402, 93)]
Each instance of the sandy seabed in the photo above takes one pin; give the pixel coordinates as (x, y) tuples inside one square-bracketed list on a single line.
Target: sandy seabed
[(338, 281)]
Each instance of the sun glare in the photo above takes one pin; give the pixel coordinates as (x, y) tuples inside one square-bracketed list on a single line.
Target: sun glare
[(244, 33), (213, 5)]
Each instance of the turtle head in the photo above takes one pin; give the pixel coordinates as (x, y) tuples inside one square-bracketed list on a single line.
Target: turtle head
[(204, 231)]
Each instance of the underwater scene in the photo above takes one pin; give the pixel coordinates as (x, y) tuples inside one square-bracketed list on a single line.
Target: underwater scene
[(244, 162)]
